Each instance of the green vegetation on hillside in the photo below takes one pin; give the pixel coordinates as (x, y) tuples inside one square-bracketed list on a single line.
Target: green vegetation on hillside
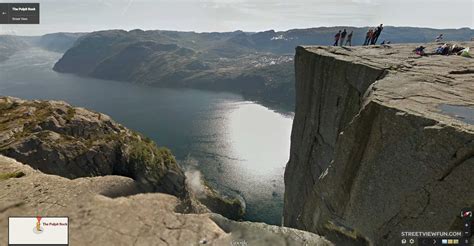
[(5, 176), (73, 142)]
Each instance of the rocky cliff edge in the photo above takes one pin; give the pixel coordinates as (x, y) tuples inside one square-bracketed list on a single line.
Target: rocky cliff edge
[(382, 142), (108, 211)]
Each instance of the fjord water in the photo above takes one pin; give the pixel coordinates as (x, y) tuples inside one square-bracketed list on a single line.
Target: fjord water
[(240, 147)]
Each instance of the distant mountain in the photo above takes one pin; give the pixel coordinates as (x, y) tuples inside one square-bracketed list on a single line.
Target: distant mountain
[(9, 45), (58, 42), (257, 65), (286, 41), (215, 61)]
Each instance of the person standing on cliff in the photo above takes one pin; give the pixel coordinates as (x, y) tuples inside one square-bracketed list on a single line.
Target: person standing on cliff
[(349, 38), (343, 37), (337, 37), (368, 36), (377, 33)]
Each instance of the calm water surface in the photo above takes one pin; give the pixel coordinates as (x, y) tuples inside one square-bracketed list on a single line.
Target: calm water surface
[(240, 147)]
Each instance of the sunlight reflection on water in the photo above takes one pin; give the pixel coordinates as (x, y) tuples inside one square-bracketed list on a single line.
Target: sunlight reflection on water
[(241, 147)]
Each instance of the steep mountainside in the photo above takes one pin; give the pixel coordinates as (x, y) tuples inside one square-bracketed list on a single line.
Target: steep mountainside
[(382, 142)]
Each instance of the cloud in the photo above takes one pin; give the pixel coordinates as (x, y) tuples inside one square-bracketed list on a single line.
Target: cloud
[(248, 15), (363, 1)]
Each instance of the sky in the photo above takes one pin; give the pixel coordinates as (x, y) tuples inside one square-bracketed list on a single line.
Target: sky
[(246, 15)]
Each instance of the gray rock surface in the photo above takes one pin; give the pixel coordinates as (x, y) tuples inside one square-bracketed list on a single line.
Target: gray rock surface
[(373, 152), (103, 211)]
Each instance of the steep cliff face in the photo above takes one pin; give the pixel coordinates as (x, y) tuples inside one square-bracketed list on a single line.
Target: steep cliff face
[(374, 151)]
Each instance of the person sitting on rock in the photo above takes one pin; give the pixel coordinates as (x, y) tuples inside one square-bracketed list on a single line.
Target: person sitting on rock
[(443, 50), (420, 51)]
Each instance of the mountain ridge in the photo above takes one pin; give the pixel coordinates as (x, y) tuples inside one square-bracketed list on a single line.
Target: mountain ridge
[(257, 65)]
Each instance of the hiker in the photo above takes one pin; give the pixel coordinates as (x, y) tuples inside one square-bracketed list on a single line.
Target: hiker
[(368, 36), (377, 33), (439, 38), (343, 37), (372, 39), (349, 38), (337, 37)]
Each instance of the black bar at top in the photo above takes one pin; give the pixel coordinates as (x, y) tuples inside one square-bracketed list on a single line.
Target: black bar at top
[(19, 13)]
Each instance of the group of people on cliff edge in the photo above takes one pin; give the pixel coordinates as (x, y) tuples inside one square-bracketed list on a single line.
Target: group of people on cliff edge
[(341, 36), (372, 35)]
